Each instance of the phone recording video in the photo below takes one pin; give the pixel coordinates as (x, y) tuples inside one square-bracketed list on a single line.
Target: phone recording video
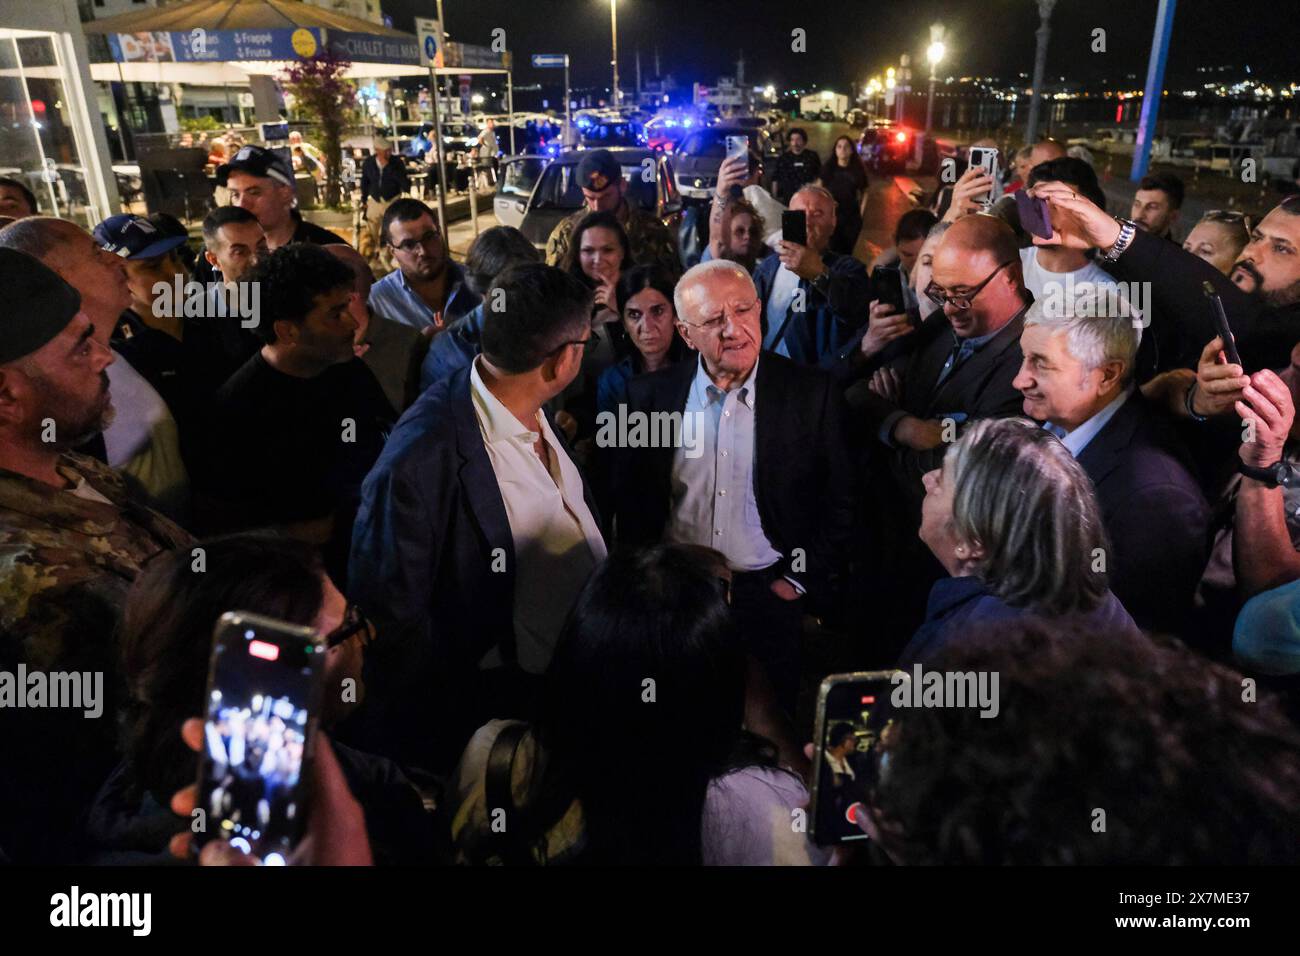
[(853, 720), (1035, 217), (263, 698)]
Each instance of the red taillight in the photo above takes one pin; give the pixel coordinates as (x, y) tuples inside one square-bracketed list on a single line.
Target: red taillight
[(900, 137)]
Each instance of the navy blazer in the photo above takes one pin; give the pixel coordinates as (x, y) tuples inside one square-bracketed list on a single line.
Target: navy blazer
[(816, 336), (433, 566), (1155, 515), (803, 479)]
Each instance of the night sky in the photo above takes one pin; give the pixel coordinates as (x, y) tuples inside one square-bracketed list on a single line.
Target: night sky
[(850, 39)]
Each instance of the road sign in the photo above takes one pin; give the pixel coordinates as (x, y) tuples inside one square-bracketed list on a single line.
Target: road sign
[(430, 35), (544, 60)]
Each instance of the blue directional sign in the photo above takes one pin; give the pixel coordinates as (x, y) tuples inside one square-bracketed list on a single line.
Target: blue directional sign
[(548, 59), (430, 47)]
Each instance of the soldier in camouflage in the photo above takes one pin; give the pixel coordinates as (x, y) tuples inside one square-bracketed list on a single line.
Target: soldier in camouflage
[(72, 539), (605, 190)]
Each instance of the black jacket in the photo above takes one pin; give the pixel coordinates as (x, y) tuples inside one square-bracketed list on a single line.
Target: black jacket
[(802, 476), (433, 565), (1182, 323), (1155, 515), (979, 388)]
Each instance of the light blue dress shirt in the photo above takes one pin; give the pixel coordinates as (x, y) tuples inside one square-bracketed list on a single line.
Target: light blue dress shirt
[(393, 298), (713, 501), (784, 287), (1077, 440)]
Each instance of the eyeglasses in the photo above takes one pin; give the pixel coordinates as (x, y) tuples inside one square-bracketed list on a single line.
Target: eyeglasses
[(354, 622), (587, 344), (718, 322), (939, 296), (411, 245)]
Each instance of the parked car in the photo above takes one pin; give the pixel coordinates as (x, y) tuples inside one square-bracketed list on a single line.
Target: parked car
[(886, 147), (556, 193), (519, 174), (701, 153)]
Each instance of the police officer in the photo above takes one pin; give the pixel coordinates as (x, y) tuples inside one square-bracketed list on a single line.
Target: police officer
[(605, 190)]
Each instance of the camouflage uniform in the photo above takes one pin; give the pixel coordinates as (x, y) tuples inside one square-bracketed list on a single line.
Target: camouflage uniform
[(652, 242), (66, 564)]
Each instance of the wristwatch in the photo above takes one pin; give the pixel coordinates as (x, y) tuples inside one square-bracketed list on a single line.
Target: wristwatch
[(823, 282), (1283, 474), (1128, 228)]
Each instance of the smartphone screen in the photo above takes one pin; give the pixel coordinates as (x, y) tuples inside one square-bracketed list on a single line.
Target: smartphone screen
[(986, 157), (264, 687), (887, 287), (794, 226), (853, 719)]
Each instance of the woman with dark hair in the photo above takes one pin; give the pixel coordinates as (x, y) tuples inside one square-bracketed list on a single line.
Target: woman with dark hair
[(165, 642), (597, 255), (639, 755), (645, 301), (845, 176)]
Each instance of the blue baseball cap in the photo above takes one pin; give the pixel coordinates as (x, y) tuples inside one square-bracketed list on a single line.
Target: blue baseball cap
[(134, 237)]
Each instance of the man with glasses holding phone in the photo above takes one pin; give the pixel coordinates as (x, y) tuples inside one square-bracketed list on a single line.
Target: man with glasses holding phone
[(427, 290), (476, 530), (963, 368)]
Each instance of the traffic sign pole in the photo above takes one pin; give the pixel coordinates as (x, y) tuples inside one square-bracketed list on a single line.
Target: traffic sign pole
[(430, 43), (568, 111)]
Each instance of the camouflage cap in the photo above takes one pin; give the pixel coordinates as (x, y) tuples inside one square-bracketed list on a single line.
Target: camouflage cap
[(41, 304), (597, 169)]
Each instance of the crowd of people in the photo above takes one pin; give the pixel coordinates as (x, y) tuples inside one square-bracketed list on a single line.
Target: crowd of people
[(1042, 463)]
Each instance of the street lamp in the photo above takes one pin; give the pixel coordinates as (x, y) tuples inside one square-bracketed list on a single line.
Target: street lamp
[(933, 53), (1040, 64), (613, 32)]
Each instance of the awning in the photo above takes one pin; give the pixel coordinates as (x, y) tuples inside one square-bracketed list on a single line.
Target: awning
[(243, 31)]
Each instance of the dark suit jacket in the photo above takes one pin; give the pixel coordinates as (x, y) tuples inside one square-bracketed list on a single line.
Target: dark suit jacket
[(802, 476), (1155, 515), (979, 388), (816, 335), (433, 565)]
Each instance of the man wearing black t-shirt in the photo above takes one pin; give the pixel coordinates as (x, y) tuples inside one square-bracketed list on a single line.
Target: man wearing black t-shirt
[(296, 429), (796, 167)]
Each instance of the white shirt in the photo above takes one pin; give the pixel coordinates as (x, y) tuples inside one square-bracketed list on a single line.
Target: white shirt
[(1037, 278), (556, 540), (143, 440)]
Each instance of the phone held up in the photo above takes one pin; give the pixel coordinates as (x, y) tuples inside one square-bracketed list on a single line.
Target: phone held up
[(854, 721), (887, 287), (265, 683), (986, 158), (794, 226), (1035, 218)]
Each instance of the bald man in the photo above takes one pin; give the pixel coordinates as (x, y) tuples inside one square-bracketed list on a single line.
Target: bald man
[(965, 360)]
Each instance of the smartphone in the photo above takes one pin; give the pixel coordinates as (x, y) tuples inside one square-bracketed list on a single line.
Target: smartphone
[(1035, 218), (737, 146), (794, 226), (887, 287), (263, 703), (1221, 328), (854, 719), (986, 157)]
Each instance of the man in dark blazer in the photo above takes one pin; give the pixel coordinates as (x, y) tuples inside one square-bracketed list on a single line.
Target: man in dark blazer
[(1077, 378), (467, 551), (813, 299), (762, 473), (962, 365)]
